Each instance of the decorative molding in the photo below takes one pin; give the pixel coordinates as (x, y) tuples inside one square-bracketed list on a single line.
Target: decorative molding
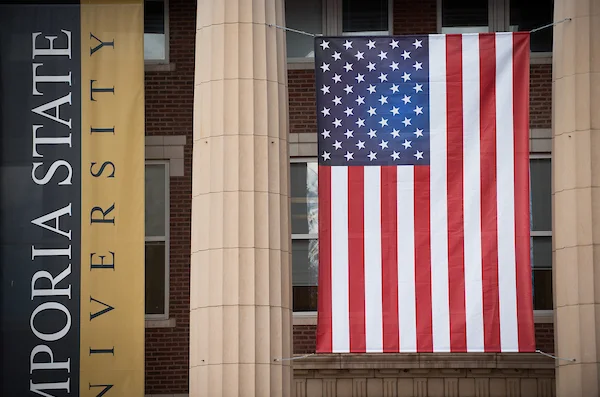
[(305, 318), (159, 67), (170, 323), (167, 147)]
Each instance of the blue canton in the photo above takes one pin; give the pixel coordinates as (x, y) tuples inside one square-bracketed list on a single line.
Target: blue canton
[(372, 100)]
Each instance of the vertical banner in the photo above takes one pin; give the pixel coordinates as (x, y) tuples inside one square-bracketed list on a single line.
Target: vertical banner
[(72, 198)]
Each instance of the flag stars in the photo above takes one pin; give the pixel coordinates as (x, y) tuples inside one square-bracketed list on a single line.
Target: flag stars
[(406, 122), (360, 100), (418, 65), (337, 145), (348, 44), (360, 122), (394, 66), (349, 134), (406, 77), (360, 78), (405, 55), (371, 66), (382, 55), (371, 44), (336, 56), (325, 89), (324, 44), (326, 112), (396, 155), (383, 99), (406, 99), (326, 156), (406, 144), (326, 134), (382, 77), (394, 43), (418, 43), (349, 111), (371, 89), (337, 123), (383, 144), (348, 67), (395, 133), (325, 67), (337, 78), (419, 155), (348, 89), (395, 110), (418, 110), (372, 133), (372, 111), (418, 87), (360, 145), (337, 101), (349, 156), (395, 88), (359, 55), (418, 132), (383, 122), (372, 156)]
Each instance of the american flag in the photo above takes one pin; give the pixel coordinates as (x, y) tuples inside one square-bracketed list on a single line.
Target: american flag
[(424, 194)]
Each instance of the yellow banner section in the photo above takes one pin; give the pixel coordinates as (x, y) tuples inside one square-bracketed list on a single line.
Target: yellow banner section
[(112, 198)]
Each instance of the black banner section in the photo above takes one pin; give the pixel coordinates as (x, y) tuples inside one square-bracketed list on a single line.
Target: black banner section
[(40, 198)]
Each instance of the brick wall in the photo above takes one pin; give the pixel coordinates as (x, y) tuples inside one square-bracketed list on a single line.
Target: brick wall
[(544, 337), (302, 98), (415, 17), (169, 111), (540, 100)]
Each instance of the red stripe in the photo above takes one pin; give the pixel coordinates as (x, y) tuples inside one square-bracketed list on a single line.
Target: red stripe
[(521, 156), (489, 220), (356, 259), (456, 249), (324, 330), (423, 260), (389, 254)]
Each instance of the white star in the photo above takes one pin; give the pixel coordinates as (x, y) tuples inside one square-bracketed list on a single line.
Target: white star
[(394, 66), (406, 122), (383, 99), (395, 111), (406, 77), (326, 156), (360, 100), (348, 45), (324, 44), (395, 133), (396, 155), (360, 78), (405, 55), (326, 112), (336, 56), (337, 145), (337, 78), (349, 111), (349, 156), (372, 133), (348, 67), (419, 155), (325, 89), (371, 44), (349, 134), (418, 110), (325, 67), (382, 77), (360, 122), (371, 66), (406, 99), (348, 89), (372, 111), (382, 55), (383, 144), (418, 87), (359, 55), (406, 144), (395, 88), (417, 43), (360, 145), (337, 123), (383, 122), (326, 134), (418, 66), (337, 100), (372, 156), (371, 89), (418, 132), (394, 43)]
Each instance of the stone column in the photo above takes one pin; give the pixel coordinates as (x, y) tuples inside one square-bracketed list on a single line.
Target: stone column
[(240, 293), (576, 201)]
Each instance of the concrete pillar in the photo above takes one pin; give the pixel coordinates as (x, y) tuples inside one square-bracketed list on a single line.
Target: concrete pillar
[(240, 297), (576, 201)]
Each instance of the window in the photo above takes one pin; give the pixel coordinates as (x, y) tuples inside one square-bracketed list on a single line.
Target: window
[(156, 39), (305, 229), (333, 17), (541, 231), (476, 16), (157, 239)]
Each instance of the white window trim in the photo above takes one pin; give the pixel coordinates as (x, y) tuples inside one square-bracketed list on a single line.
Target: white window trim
[(332, 26), (164, 61), (167, 240)]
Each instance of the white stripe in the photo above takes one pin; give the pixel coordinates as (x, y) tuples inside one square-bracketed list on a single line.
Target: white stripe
[(509, 336), (407, 309), (439, 204), (373, 281), (340, 326), (472, 194)]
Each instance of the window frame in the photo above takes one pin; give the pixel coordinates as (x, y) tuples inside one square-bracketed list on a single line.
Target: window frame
[(166, 238), (166, 59), (331, 25)]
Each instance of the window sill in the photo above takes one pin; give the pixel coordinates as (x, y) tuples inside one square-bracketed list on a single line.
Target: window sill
[(159, 67), (170, 323)]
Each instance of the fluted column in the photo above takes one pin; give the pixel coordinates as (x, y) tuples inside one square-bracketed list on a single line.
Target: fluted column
[(240, 297), (576, 187)]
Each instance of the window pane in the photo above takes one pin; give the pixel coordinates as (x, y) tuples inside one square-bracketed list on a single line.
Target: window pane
[(305, 15), (154, 29), (464, 16), (531, 14), (365, 16), (155, 277), (541, 248), (542, 289), (305, 272), (303, 182), (155, 200), (541, 195)]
